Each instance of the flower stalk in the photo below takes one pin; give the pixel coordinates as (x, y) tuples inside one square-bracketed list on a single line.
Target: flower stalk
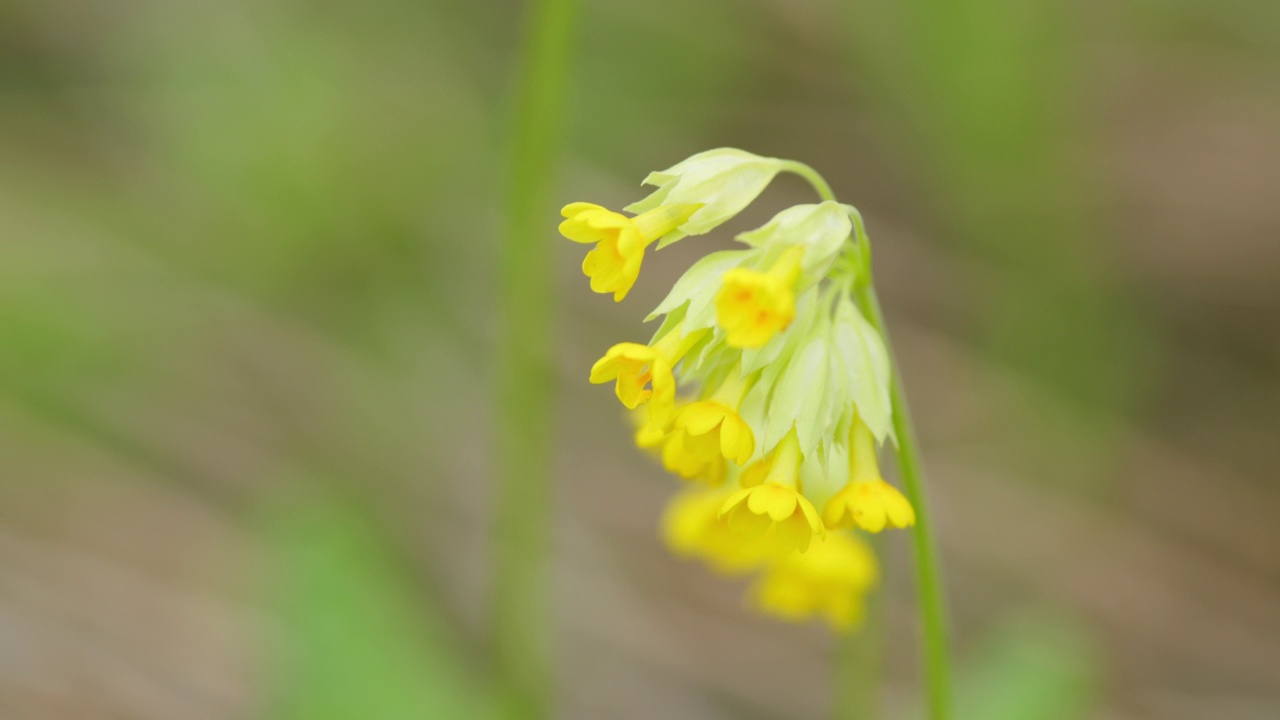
[(932, 598), (786, 457), (931, 601)]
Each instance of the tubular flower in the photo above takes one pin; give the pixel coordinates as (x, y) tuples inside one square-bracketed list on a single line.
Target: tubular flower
[(753, 306), (614, 264), (643, 373), (770, 502), (782, 382), (867, 501), (692, 527), (693, 457), (707, 433), (830, 580)]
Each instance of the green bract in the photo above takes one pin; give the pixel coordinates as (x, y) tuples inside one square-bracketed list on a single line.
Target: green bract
[(698, 286), (722, 181), (821, 229)]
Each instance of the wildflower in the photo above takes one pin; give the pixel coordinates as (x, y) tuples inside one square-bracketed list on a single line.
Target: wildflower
[(867, 501), (753, 306), (693, 457), (644, 373), (783, 384), (830, 580), (770, 501), (614, 264), (692, 527), (648, 436), (708, 432)]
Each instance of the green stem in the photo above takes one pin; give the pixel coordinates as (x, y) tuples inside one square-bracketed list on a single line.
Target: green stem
[(817, 181), (524, 371), (932, 603)]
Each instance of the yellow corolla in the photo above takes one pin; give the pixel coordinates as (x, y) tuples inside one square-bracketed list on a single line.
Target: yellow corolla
[(614, 264), (830, 580), (867, 501), (728, 433), (643, 373), (640, 372), (692, 527), (704, 435), (693, 457), (753, 306), (770, 503)]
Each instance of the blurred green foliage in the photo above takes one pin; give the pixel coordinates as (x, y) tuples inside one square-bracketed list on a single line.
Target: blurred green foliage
[(249, 235), (357, 640)]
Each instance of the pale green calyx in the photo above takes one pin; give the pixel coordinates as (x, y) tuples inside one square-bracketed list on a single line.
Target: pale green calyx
[(722, 181), (860, 352), (821, 374), (821, 229)]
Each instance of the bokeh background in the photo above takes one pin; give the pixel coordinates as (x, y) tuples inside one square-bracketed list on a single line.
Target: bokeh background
[(248, 258)]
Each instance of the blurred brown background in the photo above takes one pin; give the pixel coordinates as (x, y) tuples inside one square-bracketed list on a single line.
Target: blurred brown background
[(247, 258)]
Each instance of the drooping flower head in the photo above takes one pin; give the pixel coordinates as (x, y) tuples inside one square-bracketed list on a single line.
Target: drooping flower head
[(764, 385)]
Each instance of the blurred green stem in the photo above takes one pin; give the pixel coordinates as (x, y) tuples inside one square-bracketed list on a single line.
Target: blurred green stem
[(932, 603), (522, 611)]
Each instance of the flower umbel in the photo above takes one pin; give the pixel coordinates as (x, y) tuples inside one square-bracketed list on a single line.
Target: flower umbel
[(763, 378)]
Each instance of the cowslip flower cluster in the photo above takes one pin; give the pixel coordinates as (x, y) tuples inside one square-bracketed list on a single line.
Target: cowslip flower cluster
[(764, 388)]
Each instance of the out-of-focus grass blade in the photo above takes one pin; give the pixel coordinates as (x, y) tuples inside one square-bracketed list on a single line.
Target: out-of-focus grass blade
[(357, 642), (1035, 668)]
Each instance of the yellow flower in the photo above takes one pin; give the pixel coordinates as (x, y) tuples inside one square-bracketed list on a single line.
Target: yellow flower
[(704, 435), (648, 437), (644, 373), (730, 436), (693, 457), (692, 527), (707, 433), (770, 503), (753, 306), (867, 501), (640, 372), (830, 580), (614, 264)]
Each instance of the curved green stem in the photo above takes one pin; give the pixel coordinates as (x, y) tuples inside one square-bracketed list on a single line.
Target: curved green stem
[(932, 603), (817, 181)]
